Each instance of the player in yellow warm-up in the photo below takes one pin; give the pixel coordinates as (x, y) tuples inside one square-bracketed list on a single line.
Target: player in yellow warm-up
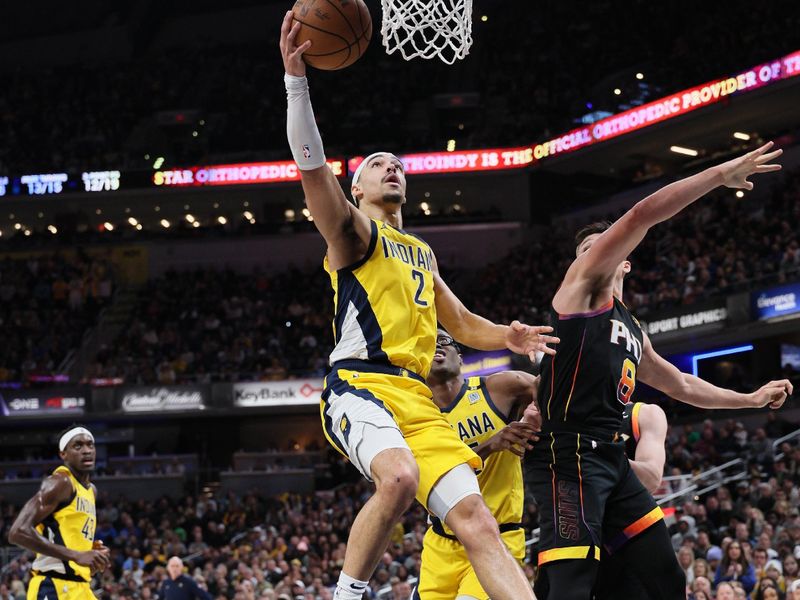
[(483, 412), (58, 523)]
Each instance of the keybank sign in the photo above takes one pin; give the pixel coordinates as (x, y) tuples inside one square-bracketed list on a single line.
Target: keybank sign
[(776, 302)]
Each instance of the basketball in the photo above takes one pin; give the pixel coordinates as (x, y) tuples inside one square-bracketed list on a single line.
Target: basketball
[(339, 30)]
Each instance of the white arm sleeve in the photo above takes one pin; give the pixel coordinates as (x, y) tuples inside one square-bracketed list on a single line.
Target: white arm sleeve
[(301, 128)]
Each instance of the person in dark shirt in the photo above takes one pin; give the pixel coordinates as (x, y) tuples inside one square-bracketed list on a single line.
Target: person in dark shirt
[(180, 586)]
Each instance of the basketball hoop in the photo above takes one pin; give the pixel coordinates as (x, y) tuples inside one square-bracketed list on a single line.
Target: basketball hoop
[(427, 28)]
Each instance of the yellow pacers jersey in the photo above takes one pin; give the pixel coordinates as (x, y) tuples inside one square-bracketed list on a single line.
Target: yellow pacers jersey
[(476, 419), (384, 303), (71, 525)]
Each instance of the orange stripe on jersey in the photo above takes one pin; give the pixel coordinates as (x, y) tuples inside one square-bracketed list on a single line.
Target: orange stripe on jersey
[(635, 420), (574, 375), (646, 521)]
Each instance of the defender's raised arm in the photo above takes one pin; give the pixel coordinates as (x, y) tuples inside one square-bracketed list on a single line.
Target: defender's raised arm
[(614, 245)]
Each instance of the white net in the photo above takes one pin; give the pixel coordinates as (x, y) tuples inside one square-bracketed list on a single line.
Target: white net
[(427, 28)]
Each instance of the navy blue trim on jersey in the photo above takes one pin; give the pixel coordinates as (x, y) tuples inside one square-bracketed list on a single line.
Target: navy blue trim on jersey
[(415, 592), (328, 424), (340, 387), (69, 573), (457, 399), (373, 241), (505, 418), (349, 291), (368, 366), (47, 590)]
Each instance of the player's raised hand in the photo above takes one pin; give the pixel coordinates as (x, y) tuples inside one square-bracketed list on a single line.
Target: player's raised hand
[(292, 53), (515, 437), (772, 394), (735, 172), (530, 339)]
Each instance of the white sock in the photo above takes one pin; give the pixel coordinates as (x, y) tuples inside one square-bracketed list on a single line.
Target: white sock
[(348, 588)]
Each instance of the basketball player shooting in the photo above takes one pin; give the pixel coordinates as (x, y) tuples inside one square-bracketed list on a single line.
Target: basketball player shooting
[(376, 408), (577, 469)]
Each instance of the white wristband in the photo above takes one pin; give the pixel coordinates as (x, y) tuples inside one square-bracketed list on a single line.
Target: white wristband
[(301, 128)]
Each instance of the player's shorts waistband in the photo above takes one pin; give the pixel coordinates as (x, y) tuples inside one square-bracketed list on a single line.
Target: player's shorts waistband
[(597, 433), (365, 366), (438, 529), (57, 575)]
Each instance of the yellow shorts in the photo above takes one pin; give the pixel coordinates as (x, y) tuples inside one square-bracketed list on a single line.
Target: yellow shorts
[(446, 573), (41, 587), (384, 396)]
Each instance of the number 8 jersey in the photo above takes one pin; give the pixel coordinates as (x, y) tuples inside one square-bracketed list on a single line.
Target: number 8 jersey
[(593, 374), (384, 307), (72, 525)]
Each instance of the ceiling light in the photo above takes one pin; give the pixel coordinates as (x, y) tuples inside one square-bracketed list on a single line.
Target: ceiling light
[(741, 136), (164, 223), (617, 91), (221, 220), (195, 224), (682, 150), (158, 163), (289, 214), (451, 145), (138, 227), (189, 218), (52, 229), (740, 194), (640, 76), (108, 226), (133, 221), (248, 215), (306, 213)]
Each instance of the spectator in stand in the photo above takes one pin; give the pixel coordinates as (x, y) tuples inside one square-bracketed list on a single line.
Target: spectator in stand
[(179, 586), (768, 590), (734, 567)]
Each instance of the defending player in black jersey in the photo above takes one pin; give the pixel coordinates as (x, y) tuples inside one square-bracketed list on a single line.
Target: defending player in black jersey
[(578, 472), (644, 431)]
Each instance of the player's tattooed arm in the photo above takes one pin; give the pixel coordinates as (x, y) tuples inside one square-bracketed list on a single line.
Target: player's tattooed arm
[(658, 373)]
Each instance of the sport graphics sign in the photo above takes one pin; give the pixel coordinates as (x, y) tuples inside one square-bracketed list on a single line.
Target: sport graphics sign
[(776, 302), (51, 402), (171, 398), (293, 392), (703, 317)]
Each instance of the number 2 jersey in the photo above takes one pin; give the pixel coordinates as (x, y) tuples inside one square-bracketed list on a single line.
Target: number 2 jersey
[(72, 524), (384, 303), (587, 384)]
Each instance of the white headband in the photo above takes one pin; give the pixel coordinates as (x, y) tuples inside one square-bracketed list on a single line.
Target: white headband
[(363, 164), (67, 437)]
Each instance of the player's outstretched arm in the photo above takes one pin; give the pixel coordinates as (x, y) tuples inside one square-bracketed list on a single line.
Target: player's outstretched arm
[(476, 332), (656, 372), (616, 244), (55, 490), (345, 229), (648, 464), (510, 391)]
